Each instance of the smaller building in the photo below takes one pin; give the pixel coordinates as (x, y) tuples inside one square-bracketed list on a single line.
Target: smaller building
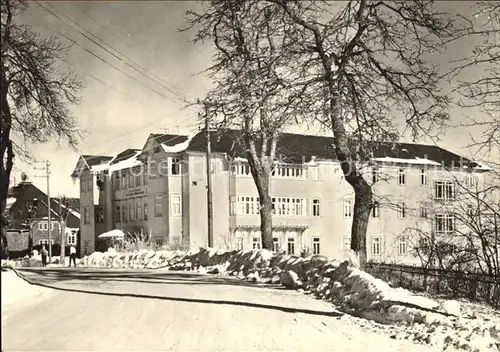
[(24, 196)]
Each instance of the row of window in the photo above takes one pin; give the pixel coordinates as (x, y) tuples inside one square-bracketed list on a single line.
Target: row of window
[(279, 171), (443, 189), (282, 206), (138, 176), (138, 208), (290, 244), (71, 240), (44, 226)]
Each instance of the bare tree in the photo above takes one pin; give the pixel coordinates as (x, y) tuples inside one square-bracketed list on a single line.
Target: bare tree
[(469, 237), (35, 93), (482, 89), (250, 80), (369, 64)]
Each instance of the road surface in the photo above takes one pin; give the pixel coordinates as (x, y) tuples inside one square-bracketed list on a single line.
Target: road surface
[(147, 310)]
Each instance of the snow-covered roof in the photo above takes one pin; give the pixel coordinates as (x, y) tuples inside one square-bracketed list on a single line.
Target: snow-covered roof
[(120, 165), (112, 234), (179, 147), (415, 161)]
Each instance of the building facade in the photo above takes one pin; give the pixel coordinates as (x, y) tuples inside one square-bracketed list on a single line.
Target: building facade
[(25, 195), (161, 190)]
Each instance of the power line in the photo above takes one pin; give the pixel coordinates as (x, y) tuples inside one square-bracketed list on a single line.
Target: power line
[(103, 60), (104, 83), (144, 71), (121, 92)]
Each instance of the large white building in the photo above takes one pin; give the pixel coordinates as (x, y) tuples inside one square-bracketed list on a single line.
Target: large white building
[(414, 185)]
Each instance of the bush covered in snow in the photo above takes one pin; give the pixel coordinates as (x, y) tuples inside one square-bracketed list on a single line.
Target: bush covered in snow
[(351, 289)]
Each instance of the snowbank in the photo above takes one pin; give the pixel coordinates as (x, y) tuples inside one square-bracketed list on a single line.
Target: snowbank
[(352, 290), (15, 289)]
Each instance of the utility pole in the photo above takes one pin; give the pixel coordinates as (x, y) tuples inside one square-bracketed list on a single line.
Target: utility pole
[(47, 176), (62, 228), (209, 183)]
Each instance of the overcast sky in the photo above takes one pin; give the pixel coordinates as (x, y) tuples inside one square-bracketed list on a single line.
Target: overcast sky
[(118, 111)]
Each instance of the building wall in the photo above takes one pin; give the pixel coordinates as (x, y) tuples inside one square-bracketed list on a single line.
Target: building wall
[(321, 185), (87, 225)]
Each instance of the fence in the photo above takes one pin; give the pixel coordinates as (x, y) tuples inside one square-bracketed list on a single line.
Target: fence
[(450, 283)]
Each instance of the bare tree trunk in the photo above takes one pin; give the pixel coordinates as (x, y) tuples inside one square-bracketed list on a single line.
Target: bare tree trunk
[(7, 156), (361, 216), (266, 223)]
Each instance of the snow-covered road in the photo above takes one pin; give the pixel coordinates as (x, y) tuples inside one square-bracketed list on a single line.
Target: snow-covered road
[(146, 310)]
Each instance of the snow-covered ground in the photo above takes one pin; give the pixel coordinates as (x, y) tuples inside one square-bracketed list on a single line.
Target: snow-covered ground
[(15, 289), (448, 324)]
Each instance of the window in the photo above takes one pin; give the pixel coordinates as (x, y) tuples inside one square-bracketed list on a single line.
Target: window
[(315, 207), (256, 243), (314, 172), (138, 209), (239, 243), (316, 245), (347, 208), (145, 208), (375, 175), (423, 210), (145, 173), (402, 248), (118, 213), (176, 240), (131, 210), (158, 206), (276, 244), (123, 178), (176, 166), (376, 209), (401, 210), (86, 215), (124, 213), (470, 210), (130, 179), (176, 205), (347, 244), (376, 245), (401, 177), (116, 182), (82, 184), (471, 180), (45, 242), (241, 168), (137, 176), (247, 205), (445, 223), (423, 177), (288, 206), (99, 215), (72, 238), (290, 246), (212, 167), (41, 226), (163, 168), (444, 190), (288, 171)]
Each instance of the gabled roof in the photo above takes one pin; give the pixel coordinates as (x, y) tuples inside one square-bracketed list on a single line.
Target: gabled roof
[(24, 193), (168, 139), (87, 161), (126, 154), (92, 160), (297, 148)]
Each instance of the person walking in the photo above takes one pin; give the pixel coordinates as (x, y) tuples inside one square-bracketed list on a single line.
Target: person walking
[(72, 255), (44, 252)]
